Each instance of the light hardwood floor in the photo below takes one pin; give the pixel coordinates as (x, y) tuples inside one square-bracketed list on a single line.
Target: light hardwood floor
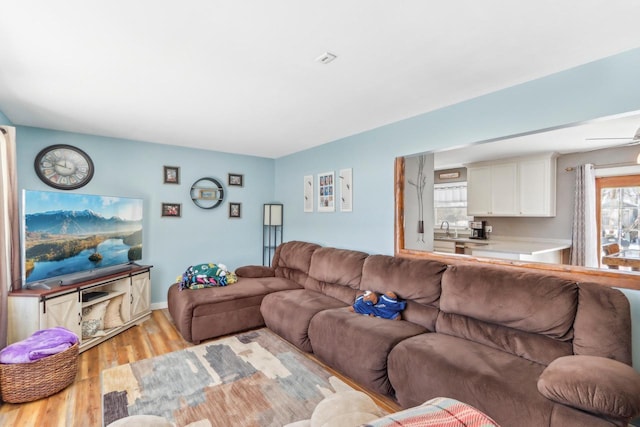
[(80, 403)]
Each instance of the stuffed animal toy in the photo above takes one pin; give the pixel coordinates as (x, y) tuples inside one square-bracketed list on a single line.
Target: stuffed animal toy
[(386, 306)]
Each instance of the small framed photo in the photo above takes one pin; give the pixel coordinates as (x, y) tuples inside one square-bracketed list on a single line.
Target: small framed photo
[(171, 175), (236, 179), (234, 210), (172, 210)]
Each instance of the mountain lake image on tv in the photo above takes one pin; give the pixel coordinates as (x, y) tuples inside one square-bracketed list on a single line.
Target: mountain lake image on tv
[(68, 233)]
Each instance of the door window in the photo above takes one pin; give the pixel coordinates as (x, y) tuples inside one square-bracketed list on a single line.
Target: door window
[(618, 204)]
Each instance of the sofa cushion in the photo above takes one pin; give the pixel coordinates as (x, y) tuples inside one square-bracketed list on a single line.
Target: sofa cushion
[(361, 346), (535, 347), (594, 384), (255, 271), (414, 280), (603, 323), (497, 383), (526, 301), (293, 259), (289, 313), (206, 313), (336, 273)]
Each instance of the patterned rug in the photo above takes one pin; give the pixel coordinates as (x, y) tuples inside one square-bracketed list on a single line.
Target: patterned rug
[(251, 379)]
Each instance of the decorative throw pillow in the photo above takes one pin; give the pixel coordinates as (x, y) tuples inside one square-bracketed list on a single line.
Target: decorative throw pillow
[(95, 312), (112, 317), (90, 328)]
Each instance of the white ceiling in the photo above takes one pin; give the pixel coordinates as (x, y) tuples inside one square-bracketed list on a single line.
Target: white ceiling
[(240, 76), (606, 132)]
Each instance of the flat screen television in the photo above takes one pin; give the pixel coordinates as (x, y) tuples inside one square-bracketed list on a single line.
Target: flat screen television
[(69, 237)]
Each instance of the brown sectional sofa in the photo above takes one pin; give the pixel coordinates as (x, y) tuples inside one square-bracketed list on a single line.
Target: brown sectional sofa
[(526, 348)]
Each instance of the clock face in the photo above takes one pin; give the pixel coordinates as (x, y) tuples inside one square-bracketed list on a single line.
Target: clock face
[(64, 167)]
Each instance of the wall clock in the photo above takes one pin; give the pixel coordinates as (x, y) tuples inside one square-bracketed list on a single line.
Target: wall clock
[(64, 167)]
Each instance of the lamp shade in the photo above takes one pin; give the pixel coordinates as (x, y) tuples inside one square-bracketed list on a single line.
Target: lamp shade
[(272, 214)]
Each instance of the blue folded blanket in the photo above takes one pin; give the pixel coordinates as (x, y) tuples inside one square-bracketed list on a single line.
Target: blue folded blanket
[(39, 345)]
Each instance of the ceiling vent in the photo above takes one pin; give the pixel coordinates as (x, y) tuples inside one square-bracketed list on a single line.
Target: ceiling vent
[(325, 58)]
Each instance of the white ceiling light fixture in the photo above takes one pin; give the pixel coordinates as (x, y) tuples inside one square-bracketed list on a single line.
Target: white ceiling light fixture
[(326, 58)]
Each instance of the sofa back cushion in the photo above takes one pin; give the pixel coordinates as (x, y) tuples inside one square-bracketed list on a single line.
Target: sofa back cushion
[(525, 313), (415, 280), (293, 259), (603, 323), (336, 273)]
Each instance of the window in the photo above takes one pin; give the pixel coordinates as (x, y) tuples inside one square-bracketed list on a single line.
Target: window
[(618, 199), (450, 204)]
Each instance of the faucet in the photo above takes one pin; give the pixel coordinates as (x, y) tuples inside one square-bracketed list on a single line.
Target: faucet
[(442, 225)]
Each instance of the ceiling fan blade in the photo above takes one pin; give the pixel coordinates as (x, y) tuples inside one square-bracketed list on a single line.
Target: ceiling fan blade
[(608, 139)]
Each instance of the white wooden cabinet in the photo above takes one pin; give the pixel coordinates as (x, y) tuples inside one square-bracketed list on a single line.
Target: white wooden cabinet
[(62, 311), (33, 310), (512, 187), (479, 190), (140, 295), (537, 186), (492, 190), (448, 247)]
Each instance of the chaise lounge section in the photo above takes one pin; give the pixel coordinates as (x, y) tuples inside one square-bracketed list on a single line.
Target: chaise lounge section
[(527, 349)]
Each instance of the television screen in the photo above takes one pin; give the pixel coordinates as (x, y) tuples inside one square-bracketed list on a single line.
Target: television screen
[(69, 233)]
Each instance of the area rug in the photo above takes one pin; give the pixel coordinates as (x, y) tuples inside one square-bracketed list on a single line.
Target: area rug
[(251, 379)]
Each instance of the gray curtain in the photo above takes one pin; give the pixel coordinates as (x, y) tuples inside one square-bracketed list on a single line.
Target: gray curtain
[(584, 239), (9, 226)]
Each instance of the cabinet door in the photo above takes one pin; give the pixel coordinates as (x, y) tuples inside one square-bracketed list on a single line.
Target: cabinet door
[(65, 311), (537, 184), (446, 247), (140, 294), (479, 190), (504, 189)]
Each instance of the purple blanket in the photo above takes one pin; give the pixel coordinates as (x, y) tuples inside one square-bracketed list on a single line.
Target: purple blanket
[(41, 344)]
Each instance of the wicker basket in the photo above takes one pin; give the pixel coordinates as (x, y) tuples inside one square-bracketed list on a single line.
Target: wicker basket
[(25, 382)]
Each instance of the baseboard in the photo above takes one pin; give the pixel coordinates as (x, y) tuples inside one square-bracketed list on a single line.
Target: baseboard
[(159, 305)]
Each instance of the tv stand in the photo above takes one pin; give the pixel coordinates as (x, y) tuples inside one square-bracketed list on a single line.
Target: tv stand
[(42, 305)]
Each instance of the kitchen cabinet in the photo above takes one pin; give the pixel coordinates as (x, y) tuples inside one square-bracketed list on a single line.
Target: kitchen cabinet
[(513, 187), (30, 310), (537, 186), (448, 247), (492, 190)]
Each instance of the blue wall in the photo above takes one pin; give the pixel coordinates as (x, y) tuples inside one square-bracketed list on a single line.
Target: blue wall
[(133, 168), (4, 120)]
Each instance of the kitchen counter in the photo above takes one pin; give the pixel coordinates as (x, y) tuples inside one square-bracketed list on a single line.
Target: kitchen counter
[(522, 247), (510, 248), (527, 247)]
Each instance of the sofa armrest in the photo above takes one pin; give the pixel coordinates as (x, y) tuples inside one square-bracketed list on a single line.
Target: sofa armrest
[(594, 384), (255, 271)]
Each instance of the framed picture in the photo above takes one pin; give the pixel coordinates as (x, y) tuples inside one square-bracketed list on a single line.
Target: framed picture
[(234, 210), (308, 193), (171, 175), (346, 190), (208, 194), (236, 179), (326, 192), (172, 210)]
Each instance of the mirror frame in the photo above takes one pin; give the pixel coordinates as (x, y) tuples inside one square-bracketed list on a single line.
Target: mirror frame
[(629, 280)]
